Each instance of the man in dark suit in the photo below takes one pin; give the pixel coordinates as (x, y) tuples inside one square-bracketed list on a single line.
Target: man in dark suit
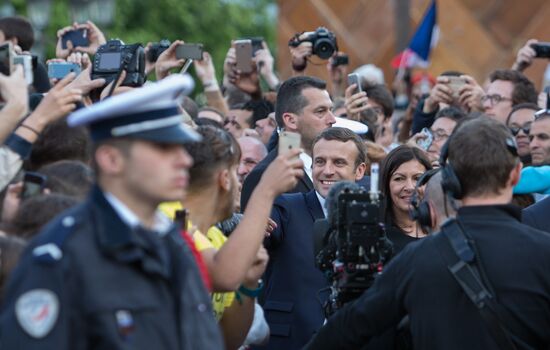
[(303, 106), (292, 300), (536, 215)]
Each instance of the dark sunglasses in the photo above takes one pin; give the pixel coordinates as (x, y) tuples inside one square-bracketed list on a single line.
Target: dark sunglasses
[(515, 130)]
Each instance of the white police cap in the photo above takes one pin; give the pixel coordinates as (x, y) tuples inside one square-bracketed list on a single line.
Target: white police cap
[(150, 113), (355, 126)]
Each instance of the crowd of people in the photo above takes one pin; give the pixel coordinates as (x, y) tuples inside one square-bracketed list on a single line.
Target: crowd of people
[(135, 217)]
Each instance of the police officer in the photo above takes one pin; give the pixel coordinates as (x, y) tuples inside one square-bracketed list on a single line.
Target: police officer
[(511, 260), (113, 273)]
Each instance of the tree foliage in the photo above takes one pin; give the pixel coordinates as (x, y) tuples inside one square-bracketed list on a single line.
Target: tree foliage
[(211, 22)]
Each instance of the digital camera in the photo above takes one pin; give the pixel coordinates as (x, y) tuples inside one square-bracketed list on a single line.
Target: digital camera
[(115, 56), (323, 42), (156, 49)]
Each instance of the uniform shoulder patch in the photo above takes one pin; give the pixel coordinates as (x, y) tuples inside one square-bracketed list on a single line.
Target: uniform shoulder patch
[(37, 311)]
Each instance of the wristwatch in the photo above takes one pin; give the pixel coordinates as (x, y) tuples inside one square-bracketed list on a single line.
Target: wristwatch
[(251, 293)]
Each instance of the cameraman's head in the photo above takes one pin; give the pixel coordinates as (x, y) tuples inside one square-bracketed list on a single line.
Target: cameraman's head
[(304, 106), (214, 179), (484, 157), (338, 154)]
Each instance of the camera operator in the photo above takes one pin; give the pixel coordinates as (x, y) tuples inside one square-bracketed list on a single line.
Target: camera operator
[(481, 167), (292, 295)]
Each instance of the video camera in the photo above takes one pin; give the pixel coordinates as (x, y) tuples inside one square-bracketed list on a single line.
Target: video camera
[(355, 247), (323, 42), (113, 57), (156, 49)]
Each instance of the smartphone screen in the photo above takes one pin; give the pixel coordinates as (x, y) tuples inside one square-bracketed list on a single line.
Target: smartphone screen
[(78, 37), (6, 58), (189, 51), (353, 78), (59, 70), (456, 83), (288, 141), (243, 51), (33, 184)]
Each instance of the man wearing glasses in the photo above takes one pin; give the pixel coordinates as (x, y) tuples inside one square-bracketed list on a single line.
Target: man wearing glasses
[(507, 89), (443, 126)]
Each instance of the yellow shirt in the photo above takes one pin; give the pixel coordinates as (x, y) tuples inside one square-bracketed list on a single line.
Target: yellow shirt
[(214, 239)]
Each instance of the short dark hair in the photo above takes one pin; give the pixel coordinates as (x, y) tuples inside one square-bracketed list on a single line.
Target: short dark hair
[(69, 177), (37, 211), (19, 28), (260, 110), (218, 148), (381, 95), (479, 152), (527, 105), (344, 135), (394, 159), (452, 113), (290, 98), (58, 141), (524, 89)]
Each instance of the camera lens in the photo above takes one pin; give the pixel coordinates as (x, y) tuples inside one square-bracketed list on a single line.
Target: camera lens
[(324, 48)]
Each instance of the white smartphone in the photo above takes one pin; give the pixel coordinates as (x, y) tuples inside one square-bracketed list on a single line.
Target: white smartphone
[(289, 141)]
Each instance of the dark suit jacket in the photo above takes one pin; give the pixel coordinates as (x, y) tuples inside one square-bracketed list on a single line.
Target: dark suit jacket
[(292, 282), (304, 184), (536, 215)]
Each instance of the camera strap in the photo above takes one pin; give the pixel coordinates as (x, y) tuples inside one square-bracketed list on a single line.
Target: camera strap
[(123, 67), (460, 256)]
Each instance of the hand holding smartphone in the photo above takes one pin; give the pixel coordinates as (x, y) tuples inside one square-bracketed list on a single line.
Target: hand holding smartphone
[(33, 184), (289, 141), (456, 83), (189, 51), (77, 37), (243, 52), (353, 78)]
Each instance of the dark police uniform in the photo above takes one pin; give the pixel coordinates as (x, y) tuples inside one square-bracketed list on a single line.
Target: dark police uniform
[(94, 278), (90, 282), (417, 282)]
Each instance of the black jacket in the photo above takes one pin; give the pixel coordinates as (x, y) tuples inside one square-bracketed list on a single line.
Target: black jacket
[(417, 281), (88, 281), (536, 215)]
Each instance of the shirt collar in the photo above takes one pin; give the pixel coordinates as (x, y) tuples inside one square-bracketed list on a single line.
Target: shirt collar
[(322, 201), (308, 161), (161, 225)]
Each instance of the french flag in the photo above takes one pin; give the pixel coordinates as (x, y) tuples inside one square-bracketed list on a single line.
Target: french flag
[(425, 38)]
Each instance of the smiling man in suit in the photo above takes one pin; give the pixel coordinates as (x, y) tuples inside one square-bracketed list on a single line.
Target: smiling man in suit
[(292, 282), (303, 106)]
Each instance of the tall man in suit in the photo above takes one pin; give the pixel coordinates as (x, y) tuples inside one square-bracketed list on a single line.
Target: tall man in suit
[(303, 106), (292, 282)]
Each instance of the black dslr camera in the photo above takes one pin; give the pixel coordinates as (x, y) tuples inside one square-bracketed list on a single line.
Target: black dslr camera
[(113, 57), (355, 247), (156, 49), (323, 41)]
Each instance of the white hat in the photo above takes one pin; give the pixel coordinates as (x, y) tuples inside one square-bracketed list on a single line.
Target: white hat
[(355, 126)]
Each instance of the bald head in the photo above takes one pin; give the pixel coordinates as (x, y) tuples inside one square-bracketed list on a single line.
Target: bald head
[(252, 152), (440, 206)]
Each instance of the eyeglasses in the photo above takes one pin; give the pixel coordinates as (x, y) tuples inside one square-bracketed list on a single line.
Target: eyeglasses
[(494, 99), (515, 130)]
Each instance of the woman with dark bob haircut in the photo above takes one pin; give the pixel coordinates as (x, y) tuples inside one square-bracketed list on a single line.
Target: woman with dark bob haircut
[(399, 173)]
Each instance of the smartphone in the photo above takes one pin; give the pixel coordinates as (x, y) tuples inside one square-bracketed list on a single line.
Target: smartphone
[(542, 50), (189, 51), (427, 141), (6, 58), (59, 70), (288, 141), (26, 62), (243, 51), (33, 184), (353, 78), (78, 37), (181, 218), (455, 83)]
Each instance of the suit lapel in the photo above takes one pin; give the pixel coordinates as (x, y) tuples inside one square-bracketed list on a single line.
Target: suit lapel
[(306, 181), (313, 205)]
